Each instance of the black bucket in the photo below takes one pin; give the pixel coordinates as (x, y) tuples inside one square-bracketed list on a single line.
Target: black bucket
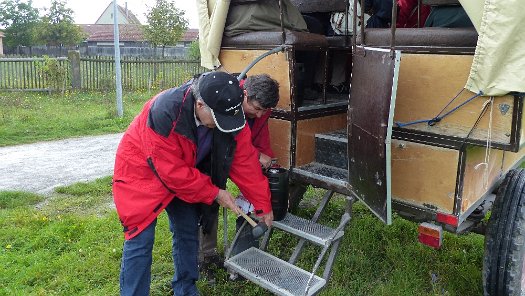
[(278, 179)]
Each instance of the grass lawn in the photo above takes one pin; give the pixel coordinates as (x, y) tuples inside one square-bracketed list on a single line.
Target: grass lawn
[(32, 117), (70, 244)]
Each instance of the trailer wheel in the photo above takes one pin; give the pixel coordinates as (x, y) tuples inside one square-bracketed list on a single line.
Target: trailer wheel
[(504, 258)]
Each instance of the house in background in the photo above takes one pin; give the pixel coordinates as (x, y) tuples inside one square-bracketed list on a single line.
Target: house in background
[(130, 35), (1, 43), (124, 16), (99, 40), (132, 42), (189, 36)]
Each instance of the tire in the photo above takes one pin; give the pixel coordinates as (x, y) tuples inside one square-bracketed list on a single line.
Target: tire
[(504, 258)]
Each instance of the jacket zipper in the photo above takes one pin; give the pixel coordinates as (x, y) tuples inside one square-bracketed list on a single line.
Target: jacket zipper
[(152, 167)]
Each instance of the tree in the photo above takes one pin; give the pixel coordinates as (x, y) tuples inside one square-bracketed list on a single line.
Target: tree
[(194, 52), (57, 26), (166, 24), (20, 20)]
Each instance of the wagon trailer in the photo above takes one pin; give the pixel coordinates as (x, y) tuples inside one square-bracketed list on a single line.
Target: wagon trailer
[(430, 127)]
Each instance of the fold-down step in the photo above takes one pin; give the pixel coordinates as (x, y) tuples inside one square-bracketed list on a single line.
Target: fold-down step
[(311, 231), (273, 274), (324, 176)]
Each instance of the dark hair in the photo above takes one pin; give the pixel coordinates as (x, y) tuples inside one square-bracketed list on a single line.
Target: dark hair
[(263, 89)]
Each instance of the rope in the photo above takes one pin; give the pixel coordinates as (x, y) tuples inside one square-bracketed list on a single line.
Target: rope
[(488, 146), (439, 117)]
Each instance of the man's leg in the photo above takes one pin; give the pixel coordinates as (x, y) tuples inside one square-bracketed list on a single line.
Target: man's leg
[(209, 259), (184, 228), (208, 241), (135, 269)]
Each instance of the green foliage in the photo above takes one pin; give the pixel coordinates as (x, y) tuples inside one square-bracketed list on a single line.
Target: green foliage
[(55, 74), (32, 117), (14, 199), (166, 24), (163, 79), (72, 245), (194, 52), (58, 28), (20, 21)]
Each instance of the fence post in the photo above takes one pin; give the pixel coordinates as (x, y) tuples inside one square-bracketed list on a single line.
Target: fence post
[(74, 61)]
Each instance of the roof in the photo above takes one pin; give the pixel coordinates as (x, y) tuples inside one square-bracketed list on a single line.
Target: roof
[(132, 19), (190, 35), (127, 32), (2, 34)]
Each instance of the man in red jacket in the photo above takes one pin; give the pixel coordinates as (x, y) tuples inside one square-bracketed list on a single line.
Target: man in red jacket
[(172, 157), (261, 93)]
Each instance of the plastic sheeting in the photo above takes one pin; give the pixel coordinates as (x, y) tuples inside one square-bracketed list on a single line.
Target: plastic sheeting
[(212, 17), (499, 61)]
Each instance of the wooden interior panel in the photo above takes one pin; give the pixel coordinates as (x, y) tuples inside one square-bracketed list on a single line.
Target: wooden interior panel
[(275, 65), (478, 177), (428, 82), (424, 175), (512, 159), (280, 139), (306, 130)]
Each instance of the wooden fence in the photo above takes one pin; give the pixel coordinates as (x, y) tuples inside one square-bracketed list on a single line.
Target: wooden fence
[(24, 73), (98, 73), (127, 50)]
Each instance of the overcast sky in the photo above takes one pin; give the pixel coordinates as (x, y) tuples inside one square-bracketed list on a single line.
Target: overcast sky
[(88, 11)]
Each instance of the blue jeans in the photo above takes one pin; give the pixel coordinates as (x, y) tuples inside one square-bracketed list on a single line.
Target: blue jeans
[(135, 271)]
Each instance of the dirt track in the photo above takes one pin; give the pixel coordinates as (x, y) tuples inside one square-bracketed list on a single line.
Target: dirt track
[(40, 167)]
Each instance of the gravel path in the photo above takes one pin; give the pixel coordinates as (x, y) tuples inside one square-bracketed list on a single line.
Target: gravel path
[(40, 167)]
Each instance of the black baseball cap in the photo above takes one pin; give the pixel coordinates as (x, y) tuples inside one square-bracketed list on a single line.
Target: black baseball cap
[(222, 93)]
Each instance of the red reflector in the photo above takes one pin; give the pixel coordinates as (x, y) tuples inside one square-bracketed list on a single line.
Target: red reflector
[(430, 234), (430, 241), (447, 219)]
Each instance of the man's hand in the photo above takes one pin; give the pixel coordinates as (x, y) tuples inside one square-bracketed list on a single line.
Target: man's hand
[(225, 199), (267, 218), (265, 160)]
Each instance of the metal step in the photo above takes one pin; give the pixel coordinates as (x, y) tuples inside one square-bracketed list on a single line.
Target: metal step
[(324, 176), (331, 149), (311, 231), (274, 274)]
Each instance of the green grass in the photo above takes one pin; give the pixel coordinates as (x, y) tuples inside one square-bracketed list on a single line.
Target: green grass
[(31, 117), (70, 244)]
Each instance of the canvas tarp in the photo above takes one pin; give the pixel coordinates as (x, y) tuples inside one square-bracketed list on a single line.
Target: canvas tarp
[(212, 17), (498, 66)]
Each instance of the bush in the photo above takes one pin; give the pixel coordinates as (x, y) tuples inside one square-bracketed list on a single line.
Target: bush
[(54, 73)]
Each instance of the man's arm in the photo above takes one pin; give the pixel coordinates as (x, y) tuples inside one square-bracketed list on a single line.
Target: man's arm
[(247, 174), (261, 140)]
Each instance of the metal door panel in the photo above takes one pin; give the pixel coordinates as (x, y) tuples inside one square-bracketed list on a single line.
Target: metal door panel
[(371, 113)]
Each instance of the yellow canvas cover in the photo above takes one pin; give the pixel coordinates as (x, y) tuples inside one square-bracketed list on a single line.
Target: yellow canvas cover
[(212, 17), (498, 66)]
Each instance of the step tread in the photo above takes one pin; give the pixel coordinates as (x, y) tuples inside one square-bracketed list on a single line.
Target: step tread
[(324, 176), (323, 171), (273, 274), (304, 228), (338, 135)]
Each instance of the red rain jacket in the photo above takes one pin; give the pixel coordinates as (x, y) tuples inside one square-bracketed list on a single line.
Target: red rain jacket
[(151, 168), (260, 131), (261, 134)]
